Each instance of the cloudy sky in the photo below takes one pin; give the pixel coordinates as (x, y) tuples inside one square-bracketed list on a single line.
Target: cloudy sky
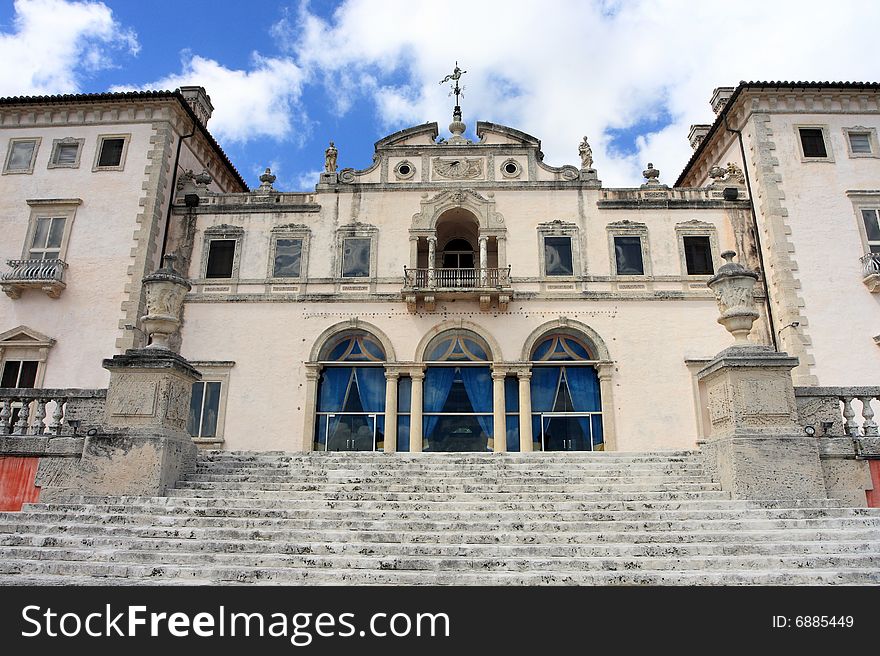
[(287, 77)]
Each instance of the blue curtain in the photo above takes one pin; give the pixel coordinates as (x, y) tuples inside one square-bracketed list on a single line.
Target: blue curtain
[(583, 385), (331, 397), (438, 383), (371, 383), (545, 380), (478, 385)]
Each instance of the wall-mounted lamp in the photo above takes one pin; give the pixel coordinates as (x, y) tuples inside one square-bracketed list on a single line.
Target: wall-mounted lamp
[(793, 324), (810, 430)]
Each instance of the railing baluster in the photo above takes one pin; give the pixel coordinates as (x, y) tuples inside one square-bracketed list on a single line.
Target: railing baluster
[(37, 426), (5, 414), (850, 426), (21, 426), (869, 427), (57, 416)]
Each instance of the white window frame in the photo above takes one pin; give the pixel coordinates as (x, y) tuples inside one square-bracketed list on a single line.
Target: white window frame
[(219, 233), (697, 229), (872, 141), (290, 231), (36, 141), (559, 228), (214, 371), (629, 229), (101, 139), (864, 200), (56, 146), (52, 208), (25, 344), (826, 137)]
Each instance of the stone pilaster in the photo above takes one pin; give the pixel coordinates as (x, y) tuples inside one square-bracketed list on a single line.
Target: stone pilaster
[(391, 379), (524, 376), (498, 407), (415, 416), (313, 372)]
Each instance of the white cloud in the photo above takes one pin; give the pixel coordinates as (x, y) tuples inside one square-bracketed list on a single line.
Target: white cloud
[(56, 43), (571, 68), (307, 180), (263, 101)]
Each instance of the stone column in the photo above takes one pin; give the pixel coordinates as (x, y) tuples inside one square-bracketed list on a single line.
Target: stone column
[(413, 252), (499, 422), (391, 378), (484, 259), (502, 252), (415, 412), (313, 372), (432, 254), (525, 409), (604, 370)]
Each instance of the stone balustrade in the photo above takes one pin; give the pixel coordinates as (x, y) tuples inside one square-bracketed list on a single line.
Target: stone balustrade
[(871, 271), (50, 412), (457, 278), (47, 275), (838, 411)]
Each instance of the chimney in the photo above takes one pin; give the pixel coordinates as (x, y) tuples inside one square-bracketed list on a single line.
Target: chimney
[(720, 97), (697, 134), (199, 101)]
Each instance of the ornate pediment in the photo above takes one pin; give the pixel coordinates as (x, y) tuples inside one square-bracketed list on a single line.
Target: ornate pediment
[(482, 207)]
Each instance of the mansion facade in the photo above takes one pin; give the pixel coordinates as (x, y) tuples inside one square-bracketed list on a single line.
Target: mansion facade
[(451, 295)]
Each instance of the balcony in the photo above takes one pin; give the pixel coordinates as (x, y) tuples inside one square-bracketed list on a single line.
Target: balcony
[(871, 271), (47, 275), (428, 285)]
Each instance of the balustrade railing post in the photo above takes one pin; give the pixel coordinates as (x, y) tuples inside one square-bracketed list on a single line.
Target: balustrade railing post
[(56, 424), (869, 427), (5, 414), (37, 426), (21, 426), (850, 426)]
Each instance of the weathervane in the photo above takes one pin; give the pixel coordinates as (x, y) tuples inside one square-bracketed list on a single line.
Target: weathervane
[(455, 75)]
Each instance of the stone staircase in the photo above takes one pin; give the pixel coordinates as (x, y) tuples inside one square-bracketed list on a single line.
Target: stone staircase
[(371, 518)]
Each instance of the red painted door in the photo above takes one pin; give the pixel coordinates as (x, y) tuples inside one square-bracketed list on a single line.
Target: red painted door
[(17, 477), (874, 495)]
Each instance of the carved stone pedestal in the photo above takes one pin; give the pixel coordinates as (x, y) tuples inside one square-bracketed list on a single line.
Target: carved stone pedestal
[(145, 449), (755, 448)]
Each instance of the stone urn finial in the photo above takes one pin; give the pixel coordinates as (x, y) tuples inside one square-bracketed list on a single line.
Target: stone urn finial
[(652, 176), (732, 286), (266, 181), (164, 291)]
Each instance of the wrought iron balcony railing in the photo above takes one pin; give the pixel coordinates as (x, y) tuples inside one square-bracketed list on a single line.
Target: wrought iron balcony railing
[(871, 271), (47, 275)]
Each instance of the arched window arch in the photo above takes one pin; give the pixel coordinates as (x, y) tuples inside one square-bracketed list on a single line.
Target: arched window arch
[(351, 394), (457, 412), (566, 400), (458, 253)]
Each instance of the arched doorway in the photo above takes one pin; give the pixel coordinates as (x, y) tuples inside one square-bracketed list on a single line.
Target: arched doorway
[(566, 399), (351, 394), (457, 408)]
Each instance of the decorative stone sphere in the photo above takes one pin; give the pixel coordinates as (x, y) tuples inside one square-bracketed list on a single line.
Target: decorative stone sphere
[(732, 286)]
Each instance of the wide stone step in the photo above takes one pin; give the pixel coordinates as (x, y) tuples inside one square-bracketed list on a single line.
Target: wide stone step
[(166, 513), (485, 488), (611, 534), (405, 478), (346, 494), (328, 576), (475, 504), (458, 563), (98, 544), (501, 523)]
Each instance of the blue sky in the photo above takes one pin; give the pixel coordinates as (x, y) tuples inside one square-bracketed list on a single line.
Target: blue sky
[(287, 77)]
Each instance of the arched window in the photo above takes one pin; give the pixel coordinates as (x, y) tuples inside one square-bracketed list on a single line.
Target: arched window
[(566, 403), (458, 254), (351, 394), (457, 410)]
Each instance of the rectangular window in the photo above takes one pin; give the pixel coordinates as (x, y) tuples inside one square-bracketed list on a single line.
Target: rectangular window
[(872, 229), (860, 142), (628, 253), (204, 409), (813, 142), (48, 233), (111, 153), (356, 257), (698, 256), (22, 153), (557, 256), (221, 255), (288, 258), (19, 373)]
